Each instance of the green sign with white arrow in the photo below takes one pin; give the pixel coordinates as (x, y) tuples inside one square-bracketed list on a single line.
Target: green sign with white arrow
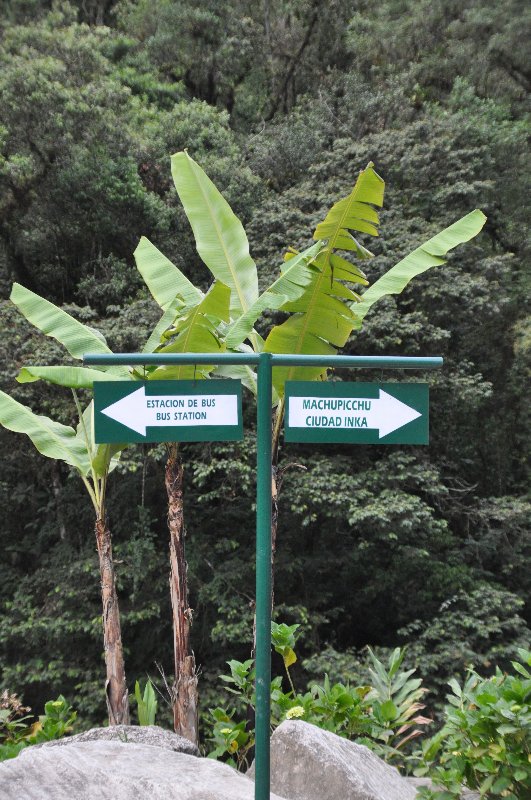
[(359, 413), (167, 411)]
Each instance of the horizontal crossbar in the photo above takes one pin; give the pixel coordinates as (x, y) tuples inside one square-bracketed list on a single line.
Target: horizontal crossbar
[(276, 360)]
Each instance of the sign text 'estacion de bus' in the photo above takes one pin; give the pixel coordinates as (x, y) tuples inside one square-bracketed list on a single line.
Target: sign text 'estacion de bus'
[(168, 411)]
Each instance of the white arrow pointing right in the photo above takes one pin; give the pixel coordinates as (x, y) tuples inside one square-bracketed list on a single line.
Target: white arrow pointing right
[(389, 414), (386, 413)]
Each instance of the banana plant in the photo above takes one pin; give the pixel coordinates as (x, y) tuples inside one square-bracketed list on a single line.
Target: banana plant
[(196, 331), (314, 286), (323, 318), (188, 324), (223, 245), (93, 463)]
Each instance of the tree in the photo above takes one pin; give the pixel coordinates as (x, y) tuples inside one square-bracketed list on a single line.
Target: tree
[(312, 286), (193, 332), (62, 107), (326, 311), (199, 326), (92, 463)]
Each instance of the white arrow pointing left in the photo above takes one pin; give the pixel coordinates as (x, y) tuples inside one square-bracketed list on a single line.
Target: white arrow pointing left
[(139, 411)]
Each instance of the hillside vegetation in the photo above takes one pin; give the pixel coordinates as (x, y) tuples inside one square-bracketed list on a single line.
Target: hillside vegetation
[(282, 103)]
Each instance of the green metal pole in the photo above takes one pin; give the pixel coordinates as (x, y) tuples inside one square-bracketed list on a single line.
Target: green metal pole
[(277, 360), (263, 578)]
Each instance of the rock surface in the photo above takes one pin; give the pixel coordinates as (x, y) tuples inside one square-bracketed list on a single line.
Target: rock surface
[(136, 734), (149, 763), (99, 770), (308, 763)]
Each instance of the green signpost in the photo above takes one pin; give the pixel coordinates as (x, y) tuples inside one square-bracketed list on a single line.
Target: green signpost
[(361, 401), (167, 411), (358, 413)]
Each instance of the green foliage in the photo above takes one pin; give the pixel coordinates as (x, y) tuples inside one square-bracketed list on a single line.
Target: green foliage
[(72, 152), (480, 628), (484, 43), (281, 103), (53, 321), (283, 639), (427, 255), (15, 735), (383, 715), (76, 448), (163, 279), (56, 721), (49, 437), (327, 312), (484, 743), (230, 738), (219, 235), (146, 703)]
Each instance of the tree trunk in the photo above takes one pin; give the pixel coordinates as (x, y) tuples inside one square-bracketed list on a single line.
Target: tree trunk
[(57, 491), (115, 686), (184, 690)]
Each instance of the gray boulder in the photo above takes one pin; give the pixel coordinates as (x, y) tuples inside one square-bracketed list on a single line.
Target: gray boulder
[(308, 763), (99, 770), (135, 734)]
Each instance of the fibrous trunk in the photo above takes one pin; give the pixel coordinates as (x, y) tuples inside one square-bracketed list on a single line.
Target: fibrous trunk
[(115, 686), (184, 691)]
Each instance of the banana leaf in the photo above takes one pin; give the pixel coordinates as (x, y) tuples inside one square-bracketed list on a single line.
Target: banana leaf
[(197, 332), (71, 377), (296, 276), (240, 372), (220, 238), (427, 255), (53, 321), (164, 280), (51, 438), (322, 318), (103, 457), (354, 213), (165, 322)]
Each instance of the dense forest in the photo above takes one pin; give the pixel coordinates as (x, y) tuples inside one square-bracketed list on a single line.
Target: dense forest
[(282, 104)]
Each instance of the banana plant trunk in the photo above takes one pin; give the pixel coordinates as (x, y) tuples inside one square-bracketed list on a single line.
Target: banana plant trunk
[(184, 690), (115, 686)]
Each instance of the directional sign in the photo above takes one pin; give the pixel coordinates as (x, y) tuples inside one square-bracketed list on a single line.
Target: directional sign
[(359, 413), (168, 411)]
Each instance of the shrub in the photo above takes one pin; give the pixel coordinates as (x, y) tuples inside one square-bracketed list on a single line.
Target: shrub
[(485, 741), (384, 715), (16, 732)]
